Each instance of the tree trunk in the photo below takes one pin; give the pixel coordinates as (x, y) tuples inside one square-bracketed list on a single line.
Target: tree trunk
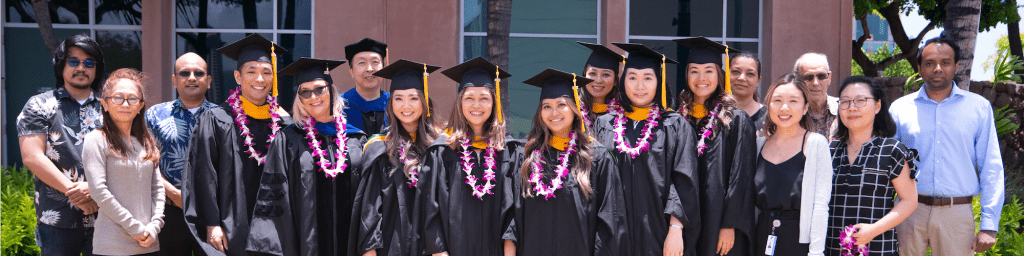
[(249, 14), (42, 11), (962, 20), (1013, 36), (499, 22)]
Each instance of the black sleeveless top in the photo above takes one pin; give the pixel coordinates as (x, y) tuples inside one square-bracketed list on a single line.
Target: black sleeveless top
[(779, 185)]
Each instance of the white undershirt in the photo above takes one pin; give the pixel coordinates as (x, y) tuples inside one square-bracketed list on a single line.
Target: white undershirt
[(193, 110)]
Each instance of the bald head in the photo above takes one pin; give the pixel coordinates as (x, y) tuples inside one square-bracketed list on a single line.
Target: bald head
[(191, 78), (813, 69)]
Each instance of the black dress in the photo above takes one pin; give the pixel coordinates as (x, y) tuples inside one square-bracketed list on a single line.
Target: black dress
[(387, 221), (758, 117), (726, 184), (300, 210), (456, 221), (778, 198), (658, 183), (219, 181), (571, 223)]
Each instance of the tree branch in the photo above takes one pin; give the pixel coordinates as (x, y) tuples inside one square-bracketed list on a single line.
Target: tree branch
[(42, 10)]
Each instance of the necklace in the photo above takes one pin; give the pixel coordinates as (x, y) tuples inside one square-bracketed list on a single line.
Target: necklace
[(620, 132), (467, 166), (241, 122), (332, 170), (561, 170)]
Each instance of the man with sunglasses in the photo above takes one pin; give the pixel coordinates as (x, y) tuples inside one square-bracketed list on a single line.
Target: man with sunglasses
[(171, 124), (51, 129), (813, 69)]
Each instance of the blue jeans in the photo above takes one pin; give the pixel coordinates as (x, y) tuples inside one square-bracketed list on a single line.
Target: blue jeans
[(64, 241)]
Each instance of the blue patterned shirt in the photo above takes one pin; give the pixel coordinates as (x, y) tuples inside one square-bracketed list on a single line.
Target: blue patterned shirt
[(171, 124), (954, 138)]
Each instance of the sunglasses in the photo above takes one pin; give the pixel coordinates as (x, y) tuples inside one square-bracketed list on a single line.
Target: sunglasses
[(810, 77), (88, 63), (186, 73), (305, 94)]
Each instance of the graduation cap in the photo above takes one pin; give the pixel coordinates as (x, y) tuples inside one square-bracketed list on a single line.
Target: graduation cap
[(254, 48), (703, 51), (478, 72), (366, 45), (554, 83), (310, 69), (602, 57), (641, 57), (406, 74)]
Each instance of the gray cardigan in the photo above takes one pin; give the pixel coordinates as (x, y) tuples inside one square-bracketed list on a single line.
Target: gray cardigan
[(816, 193), (130, 195)]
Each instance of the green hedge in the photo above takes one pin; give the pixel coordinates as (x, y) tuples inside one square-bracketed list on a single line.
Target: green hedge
[(18, 213)]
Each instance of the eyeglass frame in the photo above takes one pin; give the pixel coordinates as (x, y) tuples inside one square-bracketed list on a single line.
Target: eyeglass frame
[(118, 100), (313, 92), (853, 103), (189, 73), (88, 63)]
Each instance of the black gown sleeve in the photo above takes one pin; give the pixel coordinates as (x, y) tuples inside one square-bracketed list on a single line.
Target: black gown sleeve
[(739, 197), (610, 226), (513, 159), (684, 179), (209, 151), (433, 195), (375, 169), (273, 229)]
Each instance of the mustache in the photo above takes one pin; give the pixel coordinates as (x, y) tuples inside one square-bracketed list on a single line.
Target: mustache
[(80, 73)]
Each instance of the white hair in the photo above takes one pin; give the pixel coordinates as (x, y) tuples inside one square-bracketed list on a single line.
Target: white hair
[(811, 56)]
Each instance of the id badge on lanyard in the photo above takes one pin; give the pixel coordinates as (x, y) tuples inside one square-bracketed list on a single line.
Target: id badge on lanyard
[(770, 248)]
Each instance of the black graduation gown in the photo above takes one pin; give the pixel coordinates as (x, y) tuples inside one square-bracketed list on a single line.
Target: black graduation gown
[(456, 221), (299, 209), (659, 182), (388, 223), (219, 181), (758, 117), (570, 223), (727, 185)]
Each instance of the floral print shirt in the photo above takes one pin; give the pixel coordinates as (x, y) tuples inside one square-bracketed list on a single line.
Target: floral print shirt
[(171, 124), (65, 122)]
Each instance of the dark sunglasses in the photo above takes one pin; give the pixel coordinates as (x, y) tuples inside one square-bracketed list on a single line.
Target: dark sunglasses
[(305, 94), (820, 76), (88, 63), (187, 73)]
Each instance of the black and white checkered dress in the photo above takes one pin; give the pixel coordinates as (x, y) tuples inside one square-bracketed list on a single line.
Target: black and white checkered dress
[(863, 192)]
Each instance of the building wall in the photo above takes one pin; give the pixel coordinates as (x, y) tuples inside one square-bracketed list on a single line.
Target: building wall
[(792, 28)]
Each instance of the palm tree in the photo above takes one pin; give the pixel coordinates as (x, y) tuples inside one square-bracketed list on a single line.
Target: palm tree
[(962, 20)]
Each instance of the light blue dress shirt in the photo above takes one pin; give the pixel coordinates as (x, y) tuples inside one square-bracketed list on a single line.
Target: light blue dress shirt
[(956, 139)]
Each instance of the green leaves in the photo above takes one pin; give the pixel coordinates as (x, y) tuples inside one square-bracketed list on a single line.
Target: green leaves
[(17, 213), (1003, 123), (911, 82), (1008, 240), (1005, 65)]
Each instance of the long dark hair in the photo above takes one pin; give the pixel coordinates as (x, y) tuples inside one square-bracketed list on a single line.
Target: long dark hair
[(769, 126), (748, 55), (728, 102), (115, 139), (588, 101), (884, 125), (425, 134), (90, 47), (538, 139), (627, 105), (494, 131)]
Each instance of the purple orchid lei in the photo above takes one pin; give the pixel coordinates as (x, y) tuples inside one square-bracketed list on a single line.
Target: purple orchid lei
[(331, 169), (240, 121), (561, 170), (848, 243), (620, 132), (707, 130), (414, 171), (467, 166)]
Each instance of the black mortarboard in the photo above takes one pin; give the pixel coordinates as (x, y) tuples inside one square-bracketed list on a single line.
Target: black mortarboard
[(703, 51), (406, 74), (251, 48), (366, 45), (641, 57), (309, 69), (602, 57), (554, 83), (477, 72)]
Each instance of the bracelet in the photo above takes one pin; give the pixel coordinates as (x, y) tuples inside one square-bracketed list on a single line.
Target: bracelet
[(676, 226)]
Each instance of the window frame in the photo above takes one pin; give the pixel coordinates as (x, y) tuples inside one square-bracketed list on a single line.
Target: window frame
[(463, 34), (722, 39)]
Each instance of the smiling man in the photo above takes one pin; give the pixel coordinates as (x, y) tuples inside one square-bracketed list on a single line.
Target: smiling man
[(226, 152), (367, 102), (813, 69)]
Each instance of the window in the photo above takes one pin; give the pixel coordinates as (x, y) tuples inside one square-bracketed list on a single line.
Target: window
[(204, 26), (655, 23), (27, 67), (543, 35)]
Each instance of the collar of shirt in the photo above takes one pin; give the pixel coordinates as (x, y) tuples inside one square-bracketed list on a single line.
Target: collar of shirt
[(63, 93), (181, 106), (955, 94)]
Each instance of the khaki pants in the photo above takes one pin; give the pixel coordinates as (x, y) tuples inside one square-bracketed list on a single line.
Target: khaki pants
[(947, 230)]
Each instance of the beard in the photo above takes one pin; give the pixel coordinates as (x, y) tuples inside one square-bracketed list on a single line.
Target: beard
[(79, 85)]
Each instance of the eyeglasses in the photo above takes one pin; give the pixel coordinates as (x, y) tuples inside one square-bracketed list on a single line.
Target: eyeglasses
[(859, 102), (305, 94), (88, 63), (810, 77), (186, 73), (118, 100)]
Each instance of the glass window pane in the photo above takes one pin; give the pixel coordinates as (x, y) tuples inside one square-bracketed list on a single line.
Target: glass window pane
[(528, 57), (473, 47), (554, 16), (743, 18), (256, 14), (743, 46), (675, 18), (121, 49), (118, 12), (294, 14), (68, 11), (220, 67), (474, 15), (28, 72), (298, 46)]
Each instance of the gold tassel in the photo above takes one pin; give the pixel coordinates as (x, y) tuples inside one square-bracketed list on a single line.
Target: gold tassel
[(576, 95), (426, 91), (273, 62), (497, 89), (664, 103), (728, 75)]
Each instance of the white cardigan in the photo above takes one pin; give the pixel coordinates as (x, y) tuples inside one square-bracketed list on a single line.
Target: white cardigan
[(816, 192)]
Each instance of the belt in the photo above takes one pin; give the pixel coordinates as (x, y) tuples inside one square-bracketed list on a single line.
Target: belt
[(939, 201)]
